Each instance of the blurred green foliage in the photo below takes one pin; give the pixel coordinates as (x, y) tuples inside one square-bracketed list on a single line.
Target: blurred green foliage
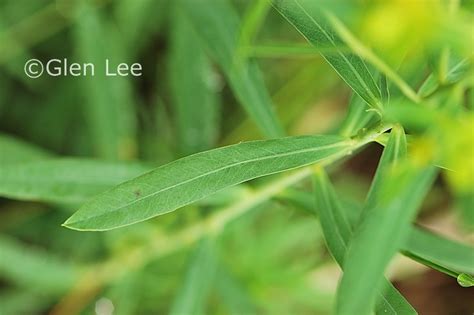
[(218, 72)]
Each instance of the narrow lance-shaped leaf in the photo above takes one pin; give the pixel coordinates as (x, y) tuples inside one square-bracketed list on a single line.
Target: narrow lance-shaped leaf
[(193, 86), (139, 21), (192, 296), (381, 234), (431, 248), (395, 150), (456, 73), (233, 295), (20, 301), (252, 21), (14, 150), (338, 232), (308, 18), (440, 250), (194, 177), (122, 292), (109, 100), (220, 34), (34, 269), (63, 180)]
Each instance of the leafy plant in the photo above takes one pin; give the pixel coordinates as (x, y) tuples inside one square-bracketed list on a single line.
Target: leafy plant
[(238, 222)]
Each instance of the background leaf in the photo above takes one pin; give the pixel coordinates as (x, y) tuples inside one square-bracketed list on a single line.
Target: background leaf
[(194, 86), (338, 234), (221, 37), (380, 235), (198, 281), (308, 18), (19, 151), (34, 269), (108, 103), (65, 180)]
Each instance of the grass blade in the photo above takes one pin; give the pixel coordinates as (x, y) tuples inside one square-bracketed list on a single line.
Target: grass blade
[(64, 180), (194, 177), (306, 16), (221, 37), (338, 232), (193, 90)]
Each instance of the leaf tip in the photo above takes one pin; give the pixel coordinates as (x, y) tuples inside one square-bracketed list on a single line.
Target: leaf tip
[(71, 224)]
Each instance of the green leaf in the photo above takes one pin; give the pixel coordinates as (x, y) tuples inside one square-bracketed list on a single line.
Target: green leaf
[(32, 268), (194, 177), (139, 21), (456, 73), (63, 180), (384, 89), (440, 250), (232, 294), (15, 150), (436, 252), (395, 150), (197, 283), (218, 25), (123, 292), (13, 302), (357, 117), (381, 234), (308, 18), (424, 246), (108, 103), (252, 21), (338, 232), (193, 88), (301, 199)]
